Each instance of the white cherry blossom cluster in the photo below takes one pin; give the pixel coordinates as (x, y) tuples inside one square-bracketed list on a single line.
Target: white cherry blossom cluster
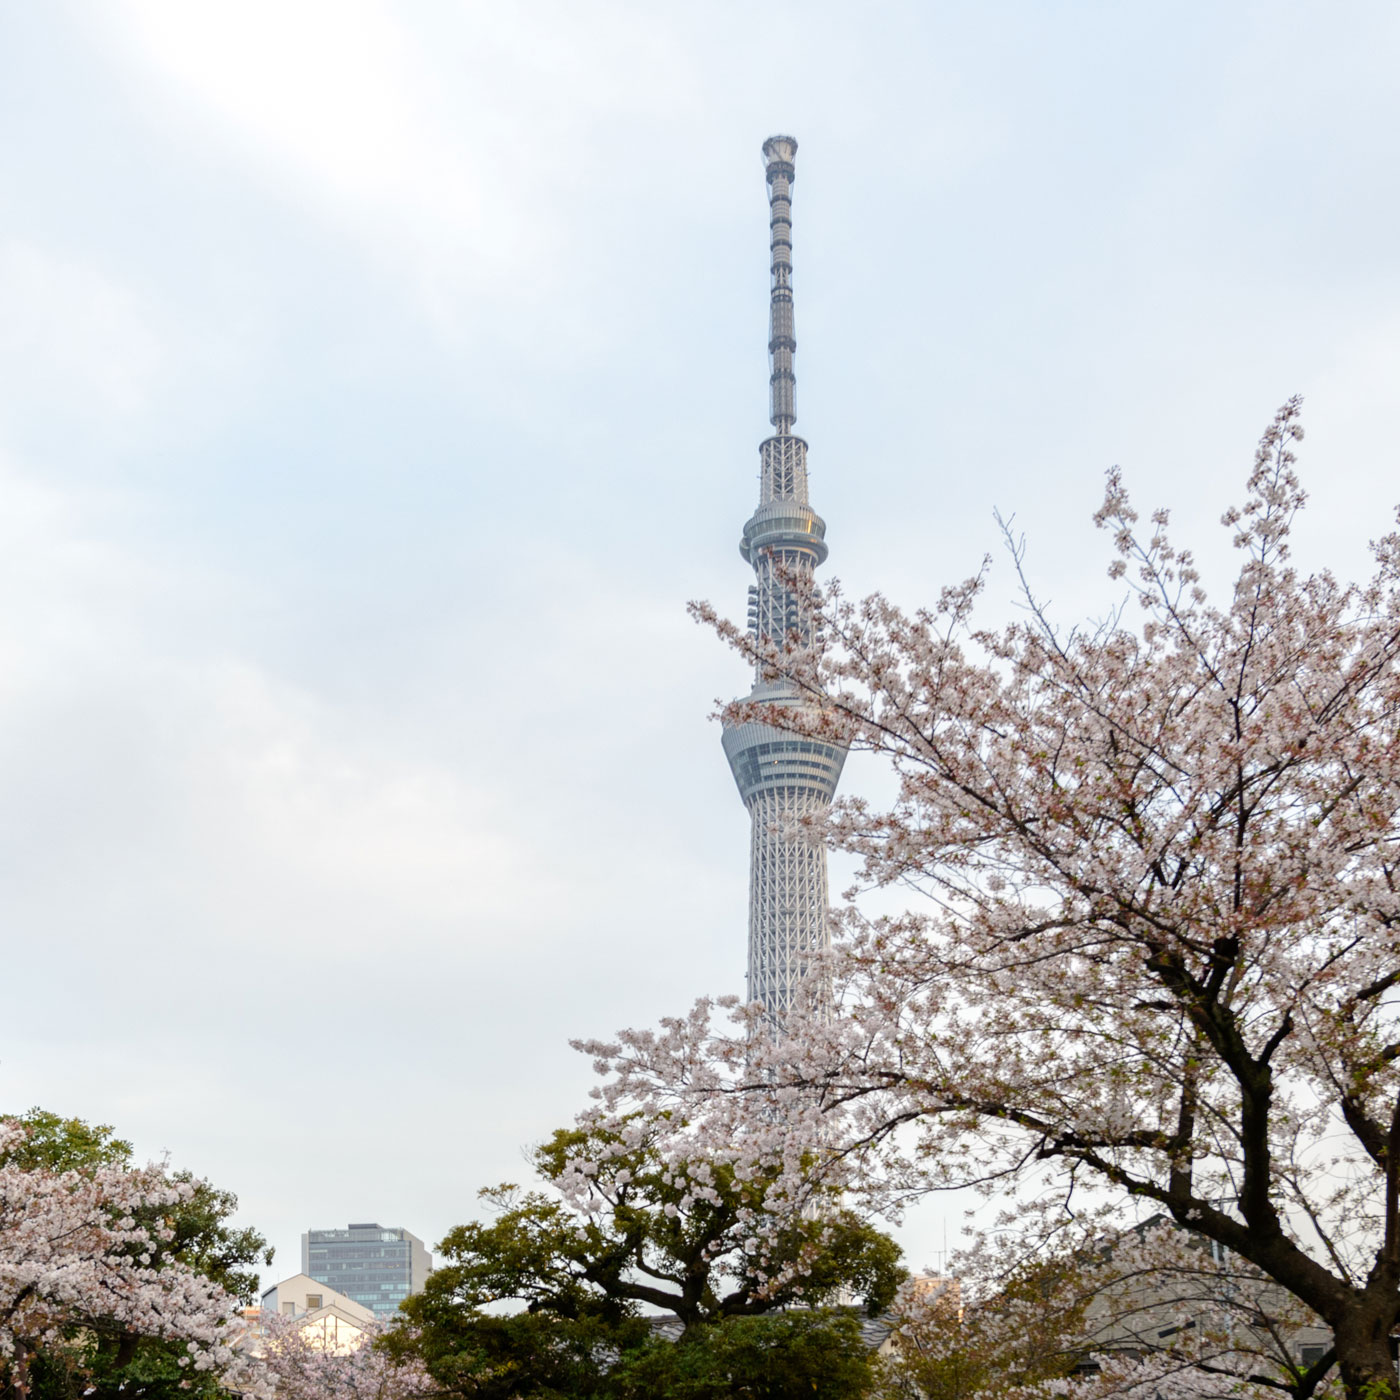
[(301, 1367), (75, 1255)]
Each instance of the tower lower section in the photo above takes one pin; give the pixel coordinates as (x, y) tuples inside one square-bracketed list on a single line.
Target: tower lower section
[(784, 777), (787, 903)]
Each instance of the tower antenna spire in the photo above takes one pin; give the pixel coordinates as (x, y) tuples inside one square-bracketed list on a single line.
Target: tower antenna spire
[(779, 153)]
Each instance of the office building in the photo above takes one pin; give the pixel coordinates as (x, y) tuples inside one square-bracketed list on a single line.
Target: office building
[(375, 1265)]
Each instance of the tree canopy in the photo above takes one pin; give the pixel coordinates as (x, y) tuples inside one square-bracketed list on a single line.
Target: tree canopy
[(1080, 1308), (114, 1279), (625, 1237), (1158, 956)]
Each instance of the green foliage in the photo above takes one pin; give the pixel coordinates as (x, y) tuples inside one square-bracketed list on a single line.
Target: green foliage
[(57, 1144), (814, 1355), (780, 1356), (656, 1242), (207, 1242), (1030, 1334), (495, 1356), (577, 1285), (93, 1366)]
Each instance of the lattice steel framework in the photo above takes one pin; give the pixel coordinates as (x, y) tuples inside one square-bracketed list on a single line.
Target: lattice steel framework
[(782, 777)]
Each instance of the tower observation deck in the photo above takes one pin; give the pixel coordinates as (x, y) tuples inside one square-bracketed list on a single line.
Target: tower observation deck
[(782, 776)]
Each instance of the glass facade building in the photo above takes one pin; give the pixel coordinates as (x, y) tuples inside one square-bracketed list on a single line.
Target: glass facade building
[(377, 1266)]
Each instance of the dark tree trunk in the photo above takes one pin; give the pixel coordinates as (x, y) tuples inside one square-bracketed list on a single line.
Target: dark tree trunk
[(1364, 1358)]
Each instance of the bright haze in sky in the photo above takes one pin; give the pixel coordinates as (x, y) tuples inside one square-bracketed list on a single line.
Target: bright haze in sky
[(377, 384)]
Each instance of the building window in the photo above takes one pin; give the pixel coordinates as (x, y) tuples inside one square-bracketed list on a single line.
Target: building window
[(313, 1300), (289, 1309)]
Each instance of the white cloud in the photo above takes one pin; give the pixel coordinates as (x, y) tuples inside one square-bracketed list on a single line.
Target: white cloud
[(74, 339), (444, 157), (126, 739), (313, 802), (332, 103)]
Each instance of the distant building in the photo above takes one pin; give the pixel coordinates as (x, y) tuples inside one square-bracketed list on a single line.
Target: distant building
[(376, 1266), (327, 1318), (944, 1288)]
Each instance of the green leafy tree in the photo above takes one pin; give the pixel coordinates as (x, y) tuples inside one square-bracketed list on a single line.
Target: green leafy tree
[(797, 1355), (626, 1231), (56, 1144), (1014, 1331), (514, 1356)]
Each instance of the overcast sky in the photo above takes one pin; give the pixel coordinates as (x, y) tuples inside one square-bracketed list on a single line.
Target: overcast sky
[(378, 382)]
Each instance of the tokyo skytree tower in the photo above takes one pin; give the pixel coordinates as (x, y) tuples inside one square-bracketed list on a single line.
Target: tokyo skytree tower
[(782, 776)]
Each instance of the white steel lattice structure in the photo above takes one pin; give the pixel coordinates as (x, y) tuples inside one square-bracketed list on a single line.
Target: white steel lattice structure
[(782, 776)]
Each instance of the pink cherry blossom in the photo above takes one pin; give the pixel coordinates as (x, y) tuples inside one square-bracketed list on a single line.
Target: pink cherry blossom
[(1155, 950), (300, 1369), (73, 1256)]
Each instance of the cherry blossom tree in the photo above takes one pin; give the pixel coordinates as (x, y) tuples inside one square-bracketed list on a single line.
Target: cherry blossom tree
[(85, 1259), (301, 1368), (1156, 952), (1079, 1309)]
